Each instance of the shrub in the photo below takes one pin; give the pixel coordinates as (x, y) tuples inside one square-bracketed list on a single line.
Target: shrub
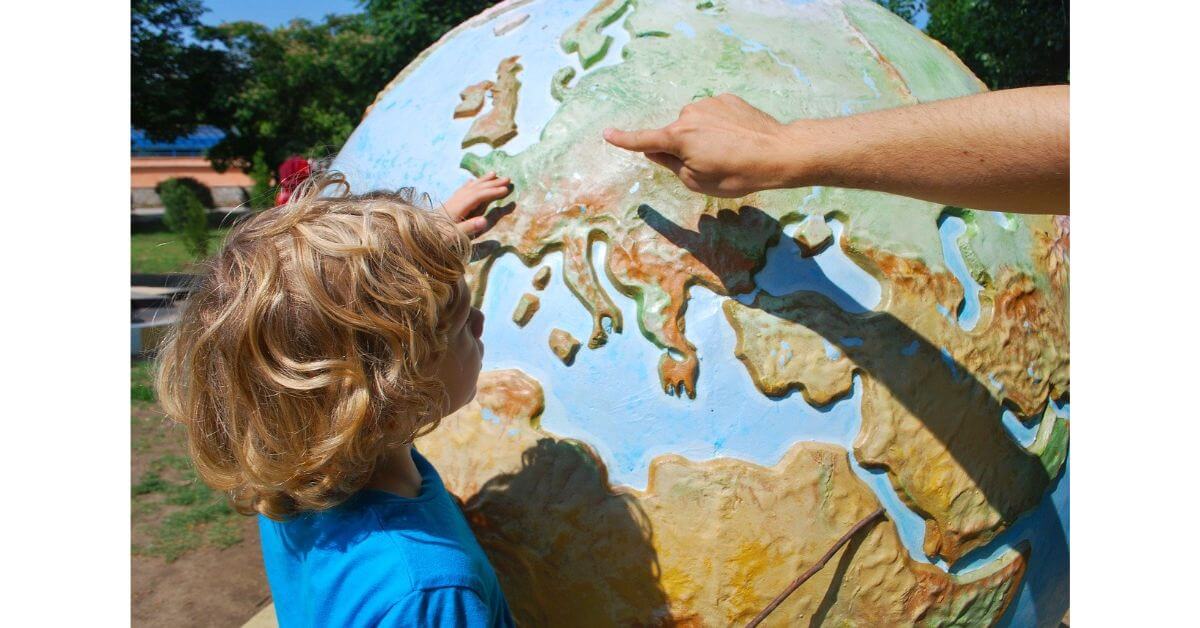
[(262, 193), (185, 214), (199, 189)]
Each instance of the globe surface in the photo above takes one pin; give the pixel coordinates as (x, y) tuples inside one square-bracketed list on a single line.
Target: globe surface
[(687, 400)]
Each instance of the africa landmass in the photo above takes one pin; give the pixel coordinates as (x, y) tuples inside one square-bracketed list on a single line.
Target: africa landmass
[(570, 549)]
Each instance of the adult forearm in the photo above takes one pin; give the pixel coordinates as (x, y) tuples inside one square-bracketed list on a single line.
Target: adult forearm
[(1006, 150)]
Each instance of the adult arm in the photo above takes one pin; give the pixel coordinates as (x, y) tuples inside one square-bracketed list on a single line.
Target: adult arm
[(1006, 150)]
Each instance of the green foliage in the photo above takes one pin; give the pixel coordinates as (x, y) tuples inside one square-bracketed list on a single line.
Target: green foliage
[(300, 94), (176, 84), (906, 9), (305, 86), (198, 189), (1007, 43), (262, 193), (184, 213), (403, 28), (297, 89)]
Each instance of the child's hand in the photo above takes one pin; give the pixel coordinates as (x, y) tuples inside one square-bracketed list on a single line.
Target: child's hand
[(473, 195)]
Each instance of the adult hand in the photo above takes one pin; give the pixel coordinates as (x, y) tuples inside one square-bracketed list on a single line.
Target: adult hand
[(471, 197), (718, 146)]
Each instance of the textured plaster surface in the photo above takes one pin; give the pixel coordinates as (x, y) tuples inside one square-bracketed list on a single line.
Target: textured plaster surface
[(526, 308), (541, 278), (572, 549), (472, 99), (980, 299), (932, 395), (665, 239), (564, 345), (813, 235), (499, 124)]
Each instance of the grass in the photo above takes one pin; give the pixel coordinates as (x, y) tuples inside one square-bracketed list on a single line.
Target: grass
[(163, 251), (146, 420), (195, 515), (178, 512), (142, 382)]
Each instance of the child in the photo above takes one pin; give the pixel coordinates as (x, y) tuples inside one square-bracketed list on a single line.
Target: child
[(327, 335)]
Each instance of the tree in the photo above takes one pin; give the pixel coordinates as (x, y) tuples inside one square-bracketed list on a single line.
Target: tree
[(906, 9), (177, 84), (1007, 43), (303, 93), (307, 84), (297, 89), (404, 28)]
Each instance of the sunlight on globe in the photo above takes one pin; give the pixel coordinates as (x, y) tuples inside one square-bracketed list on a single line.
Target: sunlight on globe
[(687, 400)]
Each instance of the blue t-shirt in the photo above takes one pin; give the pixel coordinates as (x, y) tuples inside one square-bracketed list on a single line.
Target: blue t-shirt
[(382, 560)]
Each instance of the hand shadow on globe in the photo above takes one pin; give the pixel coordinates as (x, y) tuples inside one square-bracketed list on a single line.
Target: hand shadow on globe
[(896, 363), (567, 549)]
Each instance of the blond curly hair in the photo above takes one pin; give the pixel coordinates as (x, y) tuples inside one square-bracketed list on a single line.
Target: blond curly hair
[(306, 350)]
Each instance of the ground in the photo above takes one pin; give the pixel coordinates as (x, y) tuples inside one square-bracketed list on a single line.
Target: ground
[(194, 561)]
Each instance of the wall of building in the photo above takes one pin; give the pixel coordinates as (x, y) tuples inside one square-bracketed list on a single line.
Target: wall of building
[(229, 188)]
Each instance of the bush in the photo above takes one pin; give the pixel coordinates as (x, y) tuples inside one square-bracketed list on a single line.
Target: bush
[(185, 213), (199, 189), (262, 194)]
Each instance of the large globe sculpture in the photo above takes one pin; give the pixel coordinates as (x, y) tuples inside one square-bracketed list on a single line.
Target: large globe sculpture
[(688, 400)]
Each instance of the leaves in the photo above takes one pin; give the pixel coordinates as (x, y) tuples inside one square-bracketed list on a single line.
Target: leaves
[(177, 84), (308, 84), (297, 89), (906, 9), (1007, 43), (184, 213)]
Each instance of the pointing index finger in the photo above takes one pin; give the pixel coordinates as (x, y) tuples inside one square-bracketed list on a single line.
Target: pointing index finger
[(643, 141)]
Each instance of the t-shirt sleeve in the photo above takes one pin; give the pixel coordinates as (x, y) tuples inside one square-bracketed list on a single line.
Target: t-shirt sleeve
[(441, 606)]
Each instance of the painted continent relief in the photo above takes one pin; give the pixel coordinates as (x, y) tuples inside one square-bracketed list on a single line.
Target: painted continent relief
[(687, 400)]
